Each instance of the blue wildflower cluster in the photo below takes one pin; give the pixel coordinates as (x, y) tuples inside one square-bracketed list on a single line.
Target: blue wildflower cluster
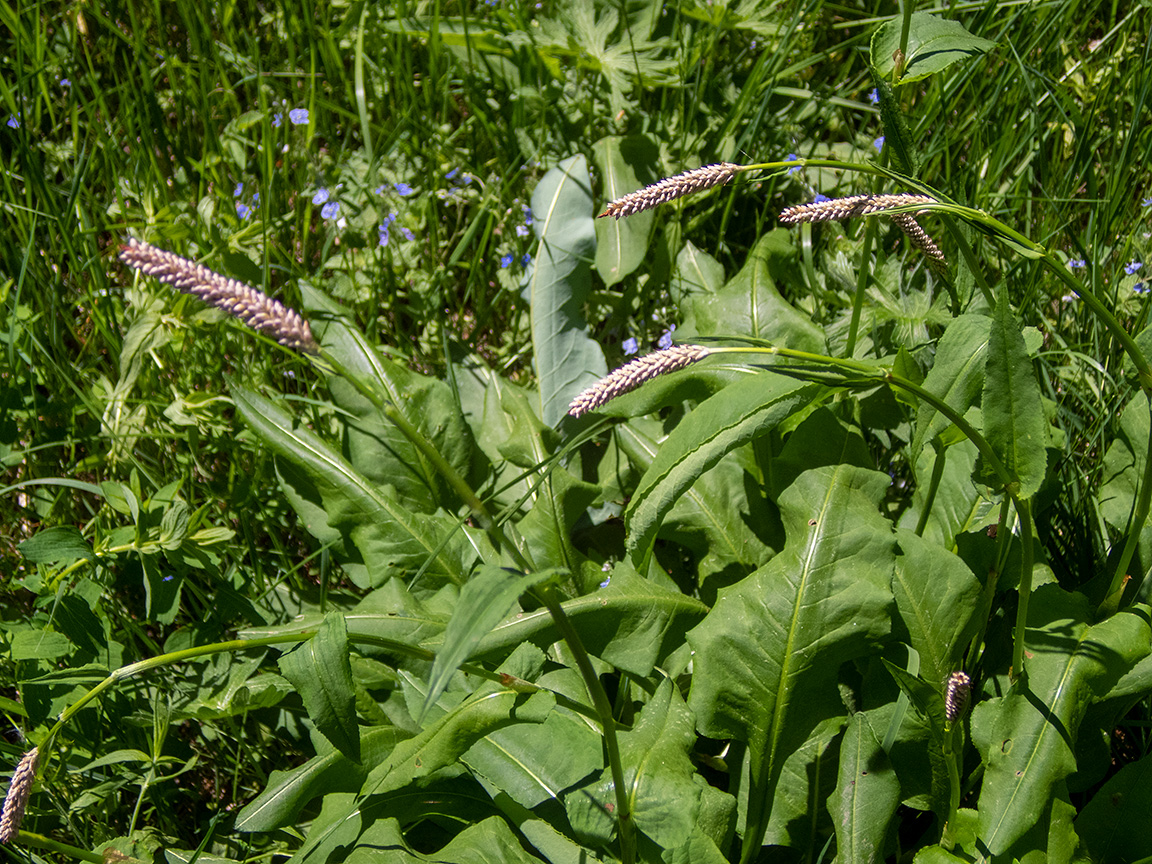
[(244, 210)]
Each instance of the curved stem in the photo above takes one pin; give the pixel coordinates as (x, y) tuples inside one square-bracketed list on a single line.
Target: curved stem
[(604, 710), (933, 487), (1135, 529), (1024, 512)]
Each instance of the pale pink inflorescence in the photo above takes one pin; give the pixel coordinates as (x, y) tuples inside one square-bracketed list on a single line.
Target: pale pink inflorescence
[(19, 791), (632, 375), (956, 697), (254, 308), (670, 188), (837, 209)]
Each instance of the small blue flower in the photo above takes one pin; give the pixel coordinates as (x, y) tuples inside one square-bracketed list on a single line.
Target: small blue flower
[(1140, 288), (451, 175), (506, 261), (792, 157), (330, 210), (402, 189), (64, 82), (1077, 263), (385, 224), (527, 214), (277, 119), (665, 341), (874, 96), (239, 189), (631, 346), (526, 260), (13, 121), (255, 198), (606, 582), (820, 199), (243, 210), (879, 143), (1132, 266), (298, 116), (1147, 202), (522, 231), (320, 197), (379, 190), (408, 235)]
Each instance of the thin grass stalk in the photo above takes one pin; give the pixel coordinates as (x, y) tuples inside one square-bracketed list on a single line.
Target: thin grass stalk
[(1135, 530)]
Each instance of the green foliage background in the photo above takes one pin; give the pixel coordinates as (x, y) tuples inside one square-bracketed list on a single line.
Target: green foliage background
[(173, 481)]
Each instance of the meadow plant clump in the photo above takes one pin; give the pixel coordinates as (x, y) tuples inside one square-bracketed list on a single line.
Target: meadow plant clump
[(437, 583)]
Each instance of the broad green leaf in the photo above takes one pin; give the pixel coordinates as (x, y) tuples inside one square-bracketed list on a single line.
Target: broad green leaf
[(750, 305), (696, 272), (319, 669), (1026, 737), (723, 516), (1014, 423), (632, 623), (485, 600), (734, 416), (524, 762), (663, 788), (1105, 824), (39, 645), (374, 446), (488, 842), (959, 504), (809, 775), (934, 44), (392, 539), (866, 796), (567, 359), (561, 502), (621, 244), (287, 792), (56, 545), (1123, 473), (936, 597), (956, 377), (767, 656)]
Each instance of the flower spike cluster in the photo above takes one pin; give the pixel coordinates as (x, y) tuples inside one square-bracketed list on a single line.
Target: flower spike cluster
[(630, 376), (19, 790), (254, 308), (671, 188)]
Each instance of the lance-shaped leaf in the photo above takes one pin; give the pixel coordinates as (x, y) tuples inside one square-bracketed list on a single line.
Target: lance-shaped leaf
[(1013, 415), (663, 788), (320, 671), (567, 359), (734, 416), (956, 376), (1027, 738), (866, 795), (622, 243), (392, 539), (767, 655)]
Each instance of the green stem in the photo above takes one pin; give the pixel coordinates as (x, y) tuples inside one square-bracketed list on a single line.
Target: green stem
[(933, 487), (862, 276), (1135, 529), (604, 709), (1024, 513), (39, 841), (969, 258)]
